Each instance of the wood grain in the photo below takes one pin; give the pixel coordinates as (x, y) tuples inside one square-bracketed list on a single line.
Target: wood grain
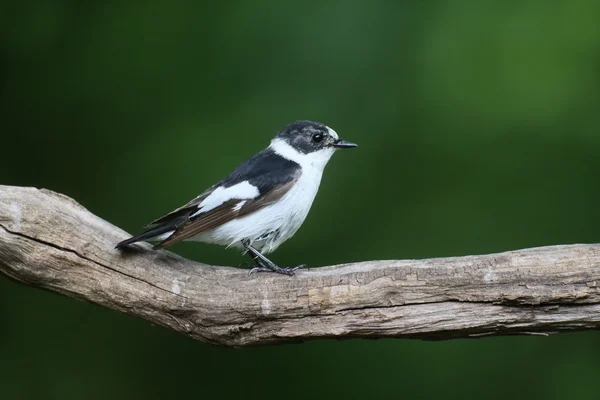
[(49, 241)]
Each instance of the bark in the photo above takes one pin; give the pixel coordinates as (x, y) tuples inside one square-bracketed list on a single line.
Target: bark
[(49, 241)]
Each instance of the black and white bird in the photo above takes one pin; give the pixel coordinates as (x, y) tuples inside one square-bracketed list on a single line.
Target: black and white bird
[(262, 203)]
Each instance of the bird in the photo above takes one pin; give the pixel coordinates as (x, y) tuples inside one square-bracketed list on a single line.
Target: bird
[(259, 205)]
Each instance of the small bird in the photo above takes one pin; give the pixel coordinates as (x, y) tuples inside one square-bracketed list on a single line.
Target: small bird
[(262, 203)]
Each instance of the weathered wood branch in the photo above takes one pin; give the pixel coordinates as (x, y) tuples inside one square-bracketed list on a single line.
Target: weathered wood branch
[(49, 241)]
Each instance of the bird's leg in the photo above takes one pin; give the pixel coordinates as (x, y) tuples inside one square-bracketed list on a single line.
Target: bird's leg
[(263, 264), (259, 266), (253, 256)]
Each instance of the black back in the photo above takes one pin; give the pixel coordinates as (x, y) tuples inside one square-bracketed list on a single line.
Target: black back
[(265, 170)]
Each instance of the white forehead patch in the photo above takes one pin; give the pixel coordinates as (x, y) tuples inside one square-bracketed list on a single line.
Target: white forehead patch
[(333, 133)]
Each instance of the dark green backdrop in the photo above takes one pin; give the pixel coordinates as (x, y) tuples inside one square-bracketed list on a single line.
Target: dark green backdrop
[(478, 123)]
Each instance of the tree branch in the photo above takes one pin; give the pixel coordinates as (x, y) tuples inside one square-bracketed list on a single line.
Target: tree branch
[(49, 241)]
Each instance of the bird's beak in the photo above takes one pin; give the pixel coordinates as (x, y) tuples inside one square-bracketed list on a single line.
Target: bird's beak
[(342, 144)]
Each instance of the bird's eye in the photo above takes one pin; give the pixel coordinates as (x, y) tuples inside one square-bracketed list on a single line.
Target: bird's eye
[(317, 137)]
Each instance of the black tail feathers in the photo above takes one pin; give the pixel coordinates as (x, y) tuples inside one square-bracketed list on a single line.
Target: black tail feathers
[(149, 234)]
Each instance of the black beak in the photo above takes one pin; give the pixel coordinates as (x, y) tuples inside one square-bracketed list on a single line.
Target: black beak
[(342, 144)]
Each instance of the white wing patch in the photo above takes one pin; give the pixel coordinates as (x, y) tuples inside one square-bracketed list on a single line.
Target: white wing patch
[(239, 205), (243, 191)]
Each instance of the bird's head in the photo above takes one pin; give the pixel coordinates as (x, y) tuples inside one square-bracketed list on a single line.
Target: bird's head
[(313, 139)]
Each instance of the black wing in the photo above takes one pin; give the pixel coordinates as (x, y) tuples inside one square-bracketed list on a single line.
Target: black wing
[(270, 173)]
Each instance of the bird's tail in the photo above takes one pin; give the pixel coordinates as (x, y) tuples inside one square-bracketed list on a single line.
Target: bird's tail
[(153, 233)]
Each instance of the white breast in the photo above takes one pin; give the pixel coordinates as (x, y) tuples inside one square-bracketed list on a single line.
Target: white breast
[(283, 217)]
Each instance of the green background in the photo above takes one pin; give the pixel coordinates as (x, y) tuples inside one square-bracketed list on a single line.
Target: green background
[(478, 124)]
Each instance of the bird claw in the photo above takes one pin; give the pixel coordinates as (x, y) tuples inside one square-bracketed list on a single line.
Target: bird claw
[(301, 266), (258, 269), (276, 269), (263, 264)]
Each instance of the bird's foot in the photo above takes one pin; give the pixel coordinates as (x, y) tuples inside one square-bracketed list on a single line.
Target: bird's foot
[(277, 269)]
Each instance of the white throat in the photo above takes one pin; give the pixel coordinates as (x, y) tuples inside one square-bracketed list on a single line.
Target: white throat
[(316, 159)]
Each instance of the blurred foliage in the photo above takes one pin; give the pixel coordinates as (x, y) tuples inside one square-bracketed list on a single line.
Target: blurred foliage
[(479, 131)]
